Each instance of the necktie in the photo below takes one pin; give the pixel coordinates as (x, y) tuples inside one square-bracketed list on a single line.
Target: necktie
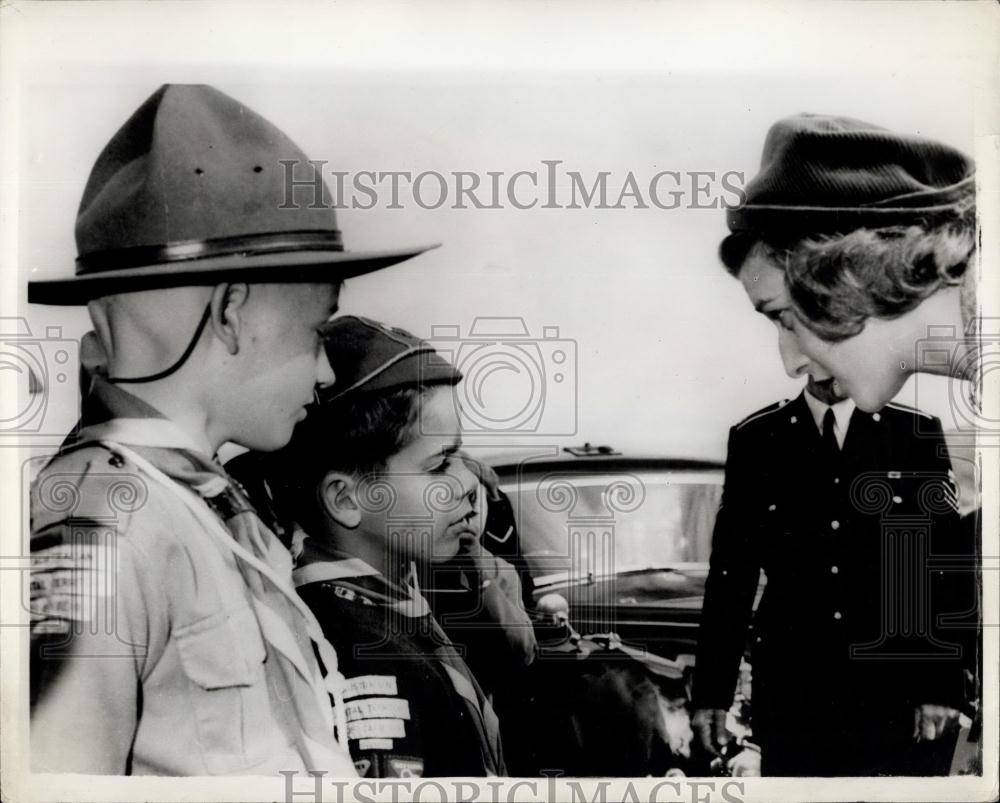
[(830, 444)]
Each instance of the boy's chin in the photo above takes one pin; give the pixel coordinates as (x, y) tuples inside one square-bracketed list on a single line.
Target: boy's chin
[(449, 550)]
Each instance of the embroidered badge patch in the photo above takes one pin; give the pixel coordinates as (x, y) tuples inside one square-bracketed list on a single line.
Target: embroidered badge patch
[(68, 582), (377, 708), (375, 744), (367, 685), (376, 729), (403, 767)]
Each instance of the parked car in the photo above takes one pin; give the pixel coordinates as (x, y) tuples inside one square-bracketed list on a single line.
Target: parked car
[(613, 551), (624, 539)]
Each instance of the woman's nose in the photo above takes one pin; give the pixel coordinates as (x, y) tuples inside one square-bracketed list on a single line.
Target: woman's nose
[(795, 361)]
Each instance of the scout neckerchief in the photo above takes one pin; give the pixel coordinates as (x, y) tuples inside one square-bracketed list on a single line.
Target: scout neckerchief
[(320, 563), (165, 453)]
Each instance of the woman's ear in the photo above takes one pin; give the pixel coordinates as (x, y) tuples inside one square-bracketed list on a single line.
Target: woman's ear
[(228, 315), (338, 495)]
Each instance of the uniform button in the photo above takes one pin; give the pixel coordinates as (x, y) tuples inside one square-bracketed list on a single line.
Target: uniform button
[(876, 417), (794, 419), (838, 615), (834, 525), (725, 572), (772, 508), (897, 500), (836, 480), (834, 570)]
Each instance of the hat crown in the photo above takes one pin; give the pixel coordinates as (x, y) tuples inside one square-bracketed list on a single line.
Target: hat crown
[(844, 161), (197, 189), (824, 173), (367, 355), (193, 164)]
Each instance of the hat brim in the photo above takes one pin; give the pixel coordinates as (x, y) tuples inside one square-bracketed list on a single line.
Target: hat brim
[(292, 268), (804, 220)]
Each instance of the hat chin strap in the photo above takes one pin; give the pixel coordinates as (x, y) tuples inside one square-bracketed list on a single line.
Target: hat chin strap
[(120, 380)]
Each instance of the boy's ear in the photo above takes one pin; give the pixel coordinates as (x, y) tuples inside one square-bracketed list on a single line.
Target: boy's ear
[(228, 305), (338, 495)]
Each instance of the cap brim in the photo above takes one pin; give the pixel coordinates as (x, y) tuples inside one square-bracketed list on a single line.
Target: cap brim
[(292, 267)]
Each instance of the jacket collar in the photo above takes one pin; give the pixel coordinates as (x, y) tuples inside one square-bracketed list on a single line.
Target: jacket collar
[(320, 563)]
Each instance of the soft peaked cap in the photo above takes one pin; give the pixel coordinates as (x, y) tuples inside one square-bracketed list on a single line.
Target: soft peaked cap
[(821, 174)]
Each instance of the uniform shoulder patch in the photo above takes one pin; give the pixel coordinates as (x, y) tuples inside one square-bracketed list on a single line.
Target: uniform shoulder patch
[(86, 483), (771, 408), (70, 582)]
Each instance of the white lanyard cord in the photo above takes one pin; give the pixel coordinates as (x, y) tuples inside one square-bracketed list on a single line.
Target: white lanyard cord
[(334, 681)]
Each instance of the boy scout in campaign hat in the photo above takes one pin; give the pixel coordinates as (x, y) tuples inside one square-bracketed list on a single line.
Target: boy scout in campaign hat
[(375, 478), (166, 635)]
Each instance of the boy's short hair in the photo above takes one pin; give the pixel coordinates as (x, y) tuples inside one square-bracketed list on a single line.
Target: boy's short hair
[(356, 434)]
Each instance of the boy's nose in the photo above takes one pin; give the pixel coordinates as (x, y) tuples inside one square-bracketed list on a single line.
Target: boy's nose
[(468, 482), (324, 371)]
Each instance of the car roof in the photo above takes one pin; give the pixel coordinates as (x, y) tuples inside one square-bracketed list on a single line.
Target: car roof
[(512, 465)]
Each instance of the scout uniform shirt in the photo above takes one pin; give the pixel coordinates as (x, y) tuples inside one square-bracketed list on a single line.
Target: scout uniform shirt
[(157, 646), (413, 708)]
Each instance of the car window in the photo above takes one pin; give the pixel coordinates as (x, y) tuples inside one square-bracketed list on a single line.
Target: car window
[(609, 523)]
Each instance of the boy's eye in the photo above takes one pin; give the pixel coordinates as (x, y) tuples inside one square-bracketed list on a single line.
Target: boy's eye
[(442, 467)]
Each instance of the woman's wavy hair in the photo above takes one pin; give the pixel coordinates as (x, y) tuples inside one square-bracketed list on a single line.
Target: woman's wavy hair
[(838, 282)]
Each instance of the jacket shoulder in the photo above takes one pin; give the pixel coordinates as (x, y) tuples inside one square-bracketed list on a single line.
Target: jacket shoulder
[(86, 483), (906, 412), (346, 616), (763, 417)]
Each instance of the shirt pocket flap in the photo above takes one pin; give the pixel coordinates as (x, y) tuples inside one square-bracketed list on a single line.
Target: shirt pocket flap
[(222, 650)]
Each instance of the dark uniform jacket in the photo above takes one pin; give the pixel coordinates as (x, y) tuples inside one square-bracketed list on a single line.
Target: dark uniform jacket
[(413, 708), (858, 552)]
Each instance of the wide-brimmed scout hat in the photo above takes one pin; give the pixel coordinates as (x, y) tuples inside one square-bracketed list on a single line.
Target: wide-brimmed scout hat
[(830, 175), (197, 189)]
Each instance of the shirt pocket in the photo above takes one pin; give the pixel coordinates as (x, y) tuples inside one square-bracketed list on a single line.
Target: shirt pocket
[(223, 657)]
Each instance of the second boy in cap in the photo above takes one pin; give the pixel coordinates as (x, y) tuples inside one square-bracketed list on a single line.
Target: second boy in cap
[(375, 478)]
